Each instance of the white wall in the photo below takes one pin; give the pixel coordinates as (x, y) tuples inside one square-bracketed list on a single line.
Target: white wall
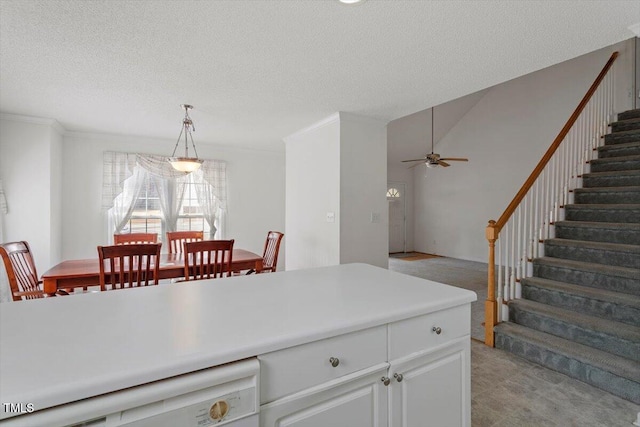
[(504, 135), (27, 148), (337, 166), (55, 194), (255, 190), (312, 191), (363, 188), (409, 137)]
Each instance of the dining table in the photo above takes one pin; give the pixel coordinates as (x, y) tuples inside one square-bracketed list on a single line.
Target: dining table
[(83, 273)]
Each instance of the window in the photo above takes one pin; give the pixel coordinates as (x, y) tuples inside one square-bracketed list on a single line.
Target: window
[(191, 216), (143, 193), (392, 194), (147, 212)]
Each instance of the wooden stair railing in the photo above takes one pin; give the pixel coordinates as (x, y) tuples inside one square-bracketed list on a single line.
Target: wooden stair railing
[(543, 195)]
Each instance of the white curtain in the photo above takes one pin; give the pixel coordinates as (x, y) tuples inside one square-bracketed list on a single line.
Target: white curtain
[(124, 203), (124, 175), (117, 167), (171, 194), (212, 195)]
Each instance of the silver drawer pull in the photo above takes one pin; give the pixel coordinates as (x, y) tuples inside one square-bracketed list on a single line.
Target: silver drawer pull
[(398, 377), (437, 330), (334, 361), (385, 380)]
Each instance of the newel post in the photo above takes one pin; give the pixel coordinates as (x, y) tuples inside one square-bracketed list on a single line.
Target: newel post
[(490, 309)]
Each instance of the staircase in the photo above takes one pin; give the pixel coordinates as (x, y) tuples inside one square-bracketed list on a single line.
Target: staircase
[(580, 312)]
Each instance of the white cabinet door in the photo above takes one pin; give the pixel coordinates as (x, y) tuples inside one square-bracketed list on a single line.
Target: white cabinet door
[(356, 400), (432, 389)]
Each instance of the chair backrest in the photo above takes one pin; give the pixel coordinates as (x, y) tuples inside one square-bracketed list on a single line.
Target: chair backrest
[(131, 238), (21, 271), (177, 239), (129, 266), (207, 259), (271, 249)]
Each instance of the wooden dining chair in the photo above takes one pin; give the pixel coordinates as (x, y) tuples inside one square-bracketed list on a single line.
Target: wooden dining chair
[(270, 253), (129, 266), (21, 271), (130, 238), (177, 239), (207, 259)]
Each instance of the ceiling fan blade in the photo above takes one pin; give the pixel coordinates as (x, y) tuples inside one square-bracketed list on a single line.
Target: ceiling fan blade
[(415, 160), (445, 164), (455, 159)]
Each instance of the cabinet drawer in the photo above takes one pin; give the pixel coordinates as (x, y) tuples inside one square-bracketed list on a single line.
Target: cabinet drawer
[(416, 334), (293, 369)]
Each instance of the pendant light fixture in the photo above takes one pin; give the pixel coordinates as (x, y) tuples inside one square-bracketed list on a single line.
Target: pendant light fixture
[(186, 164)]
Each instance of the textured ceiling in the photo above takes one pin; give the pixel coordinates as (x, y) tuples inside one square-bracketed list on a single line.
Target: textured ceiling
[(257, 71)]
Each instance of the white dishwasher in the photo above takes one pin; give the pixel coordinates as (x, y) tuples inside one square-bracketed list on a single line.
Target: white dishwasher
[(226, 395)]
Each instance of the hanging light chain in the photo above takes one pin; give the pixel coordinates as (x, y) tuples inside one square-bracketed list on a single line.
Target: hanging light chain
[(187, 129)]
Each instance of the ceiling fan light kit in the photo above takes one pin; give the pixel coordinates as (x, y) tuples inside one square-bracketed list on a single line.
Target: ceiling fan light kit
[(434, 160)]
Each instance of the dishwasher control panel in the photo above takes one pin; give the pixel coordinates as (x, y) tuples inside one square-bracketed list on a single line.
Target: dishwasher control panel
[(210, 412)]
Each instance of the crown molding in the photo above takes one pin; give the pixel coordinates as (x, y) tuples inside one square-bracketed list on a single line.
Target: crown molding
[(34, 120)]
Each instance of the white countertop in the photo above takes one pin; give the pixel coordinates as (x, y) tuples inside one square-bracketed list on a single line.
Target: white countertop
[(58, 350)]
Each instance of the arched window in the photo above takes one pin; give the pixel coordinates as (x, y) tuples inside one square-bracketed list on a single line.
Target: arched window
[(393, 194)]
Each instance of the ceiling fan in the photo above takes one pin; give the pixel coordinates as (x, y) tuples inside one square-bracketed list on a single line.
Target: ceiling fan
[(433, 160)]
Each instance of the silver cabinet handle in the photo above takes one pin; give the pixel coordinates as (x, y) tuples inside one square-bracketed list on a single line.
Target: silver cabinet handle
[(437, 330), (334, 361), (398, 377), (385, 380)]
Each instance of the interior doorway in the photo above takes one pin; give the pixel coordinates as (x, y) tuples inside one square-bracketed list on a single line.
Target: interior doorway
[(396, 196)]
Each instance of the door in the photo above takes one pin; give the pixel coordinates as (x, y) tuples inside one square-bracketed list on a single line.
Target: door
[(397, 217), (433, 389), (348, 402)]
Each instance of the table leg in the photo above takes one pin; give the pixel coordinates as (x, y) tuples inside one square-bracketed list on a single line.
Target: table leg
[(50, 286)]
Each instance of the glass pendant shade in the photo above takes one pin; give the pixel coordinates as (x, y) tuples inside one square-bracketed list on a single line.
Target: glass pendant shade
[(186, 163)]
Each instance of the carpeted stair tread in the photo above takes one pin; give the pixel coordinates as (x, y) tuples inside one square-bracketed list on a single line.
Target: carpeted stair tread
[(600, 195), (594, 231), (602, 333), (629, 114), (584, 298), (619, 150), (630, 188), (626, 124), (603, 213), (623, 178), (595, 224), (631, 172), (619, 366), (615, 163), (600, 276), (620, 254), (615, 147), (625, 272), (622, 137)]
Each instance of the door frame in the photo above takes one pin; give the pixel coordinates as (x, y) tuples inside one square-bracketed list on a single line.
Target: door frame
[(404, 210)]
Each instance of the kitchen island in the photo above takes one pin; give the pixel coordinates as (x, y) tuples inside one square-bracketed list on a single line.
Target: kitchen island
[(398, 344)]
